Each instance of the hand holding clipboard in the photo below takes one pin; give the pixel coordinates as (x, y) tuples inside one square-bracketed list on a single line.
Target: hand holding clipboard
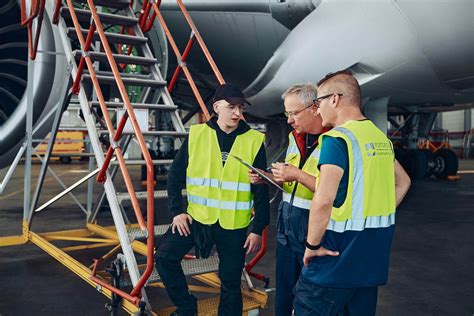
[(257, 171)]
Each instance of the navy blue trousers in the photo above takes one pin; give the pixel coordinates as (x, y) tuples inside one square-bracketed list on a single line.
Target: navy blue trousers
[(312, 299), (288, 268)]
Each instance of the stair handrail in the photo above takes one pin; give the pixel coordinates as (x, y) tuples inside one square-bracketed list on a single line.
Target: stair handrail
[(146, 23), (181, 64), (96, 25), (36, 12)]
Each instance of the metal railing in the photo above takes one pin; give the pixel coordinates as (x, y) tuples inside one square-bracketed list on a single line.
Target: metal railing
[(96, 26), (146, 23), (36, 12)]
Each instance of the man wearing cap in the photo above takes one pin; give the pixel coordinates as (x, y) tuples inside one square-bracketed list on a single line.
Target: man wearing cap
[(298, 175), (220, 201)]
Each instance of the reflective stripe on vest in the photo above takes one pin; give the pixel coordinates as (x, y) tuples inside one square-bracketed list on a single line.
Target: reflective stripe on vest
[(302, 196), (298, 202), (356, 213), (224, 205), (215, 183)]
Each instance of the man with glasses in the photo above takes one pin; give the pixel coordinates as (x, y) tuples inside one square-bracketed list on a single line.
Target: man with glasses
[(298, 177), (352, 215), (220, 201)]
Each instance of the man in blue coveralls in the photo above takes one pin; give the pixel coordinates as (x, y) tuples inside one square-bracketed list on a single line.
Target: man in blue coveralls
[(298, 175), (352, 215)]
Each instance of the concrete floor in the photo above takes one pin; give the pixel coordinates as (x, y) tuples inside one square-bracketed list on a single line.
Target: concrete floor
[(431, 269)]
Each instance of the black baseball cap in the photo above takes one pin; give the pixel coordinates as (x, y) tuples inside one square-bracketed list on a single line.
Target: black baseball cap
[(230, 93)]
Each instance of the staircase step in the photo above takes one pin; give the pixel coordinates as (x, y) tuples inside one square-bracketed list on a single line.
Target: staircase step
[(208, 306), (163, 107), (143, 162), (119, 58), (152, 133), (111, 37), (190, 267), (136, 233), (143, 195), (128, 80), (105, 18), (116, 4)]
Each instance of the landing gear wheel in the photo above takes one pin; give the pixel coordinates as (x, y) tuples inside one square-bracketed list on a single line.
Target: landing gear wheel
[(402, 156), (430, 158), (445, 163), (65, 160), (419, 167)]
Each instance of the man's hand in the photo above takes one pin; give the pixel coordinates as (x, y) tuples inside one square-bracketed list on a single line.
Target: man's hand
[(283, 172), (180, 222), (309, 254), (254, 177), (253, 243)]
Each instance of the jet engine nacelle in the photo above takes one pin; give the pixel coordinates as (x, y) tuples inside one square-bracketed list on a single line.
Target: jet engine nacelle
[(50, 75)]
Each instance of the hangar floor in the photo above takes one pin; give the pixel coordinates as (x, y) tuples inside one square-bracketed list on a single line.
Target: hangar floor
[(431, 269)]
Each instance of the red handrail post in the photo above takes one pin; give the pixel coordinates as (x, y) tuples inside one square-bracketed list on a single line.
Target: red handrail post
[(57, 8), (36, 11), (82, 63), (176, 73)]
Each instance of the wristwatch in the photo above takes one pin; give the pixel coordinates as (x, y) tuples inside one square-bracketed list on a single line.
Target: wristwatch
[(312, 247)]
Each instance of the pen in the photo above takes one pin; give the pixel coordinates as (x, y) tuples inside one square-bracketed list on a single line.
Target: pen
[(270, 168)]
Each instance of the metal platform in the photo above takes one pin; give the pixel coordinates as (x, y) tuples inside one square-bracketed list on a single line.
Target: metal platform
[(190, 267), (135, 233)]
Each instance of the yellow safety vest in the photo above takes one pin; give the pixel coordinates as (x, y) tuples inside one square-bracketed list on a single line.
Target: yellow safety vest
[(302, 196), (217, 192), (370, 200)]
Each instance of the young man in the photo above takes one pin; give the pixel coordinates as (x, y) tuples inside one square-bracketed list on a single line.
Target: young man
[(220, 201), (298, 175), (352, 215)]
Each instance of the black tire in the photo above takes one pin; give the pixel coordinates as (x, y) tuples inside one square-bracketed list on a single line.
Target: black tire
[(404, 158), (446, 163), (419, 167), (65, 160), (430, 158)]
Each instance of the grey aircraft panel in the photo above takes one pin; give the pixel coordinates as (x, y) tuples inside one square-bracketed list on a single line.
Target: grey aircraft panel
[(415, 52)]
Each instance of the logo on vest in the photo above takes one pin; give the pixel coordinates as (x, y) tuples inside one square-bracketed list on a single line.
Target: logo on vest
[(370, 148), (378, 149)]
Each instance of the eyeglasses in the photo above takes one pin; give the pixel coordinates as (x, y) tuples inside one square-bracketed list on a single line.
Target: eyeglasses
[(317, 101), (232, 107), (295, 113)]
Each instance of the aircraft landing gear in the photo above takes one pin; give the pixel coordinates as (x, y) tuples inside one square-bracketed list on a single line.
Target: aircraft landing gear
[(423, 163), (445, 163), (424, 157)]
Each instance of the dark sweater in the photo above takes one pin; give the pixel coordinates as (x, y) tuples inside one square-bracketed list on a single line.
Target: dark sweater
[(177, 176)]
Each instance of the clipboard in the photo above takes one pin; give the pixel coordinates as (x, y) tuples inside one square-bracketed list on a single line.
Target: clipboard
[(258, 172)]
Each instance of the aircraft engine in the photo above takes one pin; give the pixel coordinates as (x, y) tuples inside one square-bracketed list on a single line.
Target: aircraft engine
[(50, 74)]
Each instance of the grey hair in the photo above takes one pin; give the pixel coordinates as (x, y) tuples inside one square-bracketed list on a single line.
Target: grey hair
[(306, 92)]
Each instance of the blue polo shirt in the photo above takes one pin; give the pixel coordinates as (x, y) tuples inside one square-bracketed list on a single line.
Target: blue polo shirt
[(363, 255)]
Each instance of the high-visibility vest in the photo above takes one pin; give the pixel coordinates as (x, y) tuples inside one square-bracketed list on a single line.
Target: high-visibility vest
[(302, 196), (370, 200), (216, 192)]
